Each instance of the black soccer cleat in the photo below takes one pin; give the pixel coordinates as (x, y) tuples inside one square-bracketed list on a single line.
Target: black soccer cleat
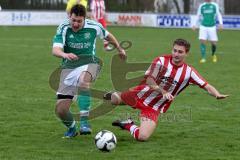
[(108, 95), (123, 123)]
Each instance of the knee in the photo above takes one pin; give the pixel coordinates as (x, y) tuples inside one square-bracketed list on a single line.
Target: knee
[(143, 137), (85, 81), (84, 86), (115, 98)]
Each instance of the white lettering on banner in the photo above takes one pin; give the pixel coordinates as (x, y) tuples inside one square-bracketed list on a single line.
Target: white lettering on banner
[(173, 21), (133, 20)]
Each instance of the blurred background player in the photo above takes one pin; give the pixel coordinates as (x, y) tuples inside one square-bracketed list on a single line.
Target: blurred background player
[(98, 13), (207, 13), (167, 76), (71, 3), (75, 43)]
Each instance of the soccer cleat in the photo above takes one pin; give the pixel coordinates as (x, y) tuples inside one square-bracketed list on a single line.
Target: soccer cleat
[(203, 60), (70, 133), (107, 96), (85, 129), (123, 123), (214, 58)]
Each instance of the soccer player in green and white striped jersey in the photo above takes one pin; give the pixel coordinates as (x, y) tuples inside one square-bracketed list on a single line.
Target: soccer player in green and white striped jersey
[(207, 14), (75, 43)]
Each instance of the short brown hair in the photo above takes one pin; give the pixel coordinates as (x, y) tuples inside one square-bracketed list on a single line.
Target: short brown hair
[(182, 42), (78, 10)]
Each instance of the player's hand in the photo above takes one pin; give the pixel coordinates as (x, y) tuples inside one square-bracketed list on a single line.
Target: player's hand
[(222, 96), (70, 56), (220, 27), (168, 96), (194, 28), (122, 54)]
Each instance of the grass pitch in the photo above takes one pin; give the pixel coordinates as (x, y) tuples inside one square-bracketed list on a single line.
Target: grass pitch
[(196, 126)]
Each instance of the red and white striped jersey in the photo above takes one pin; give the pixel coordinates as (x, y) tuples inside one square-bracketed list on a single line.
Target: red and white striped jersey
[(171, 78), (98, 9)]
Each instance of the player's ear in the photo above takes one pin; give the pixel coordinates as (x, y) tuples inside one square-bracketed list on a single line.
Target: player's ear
[(187, 51)]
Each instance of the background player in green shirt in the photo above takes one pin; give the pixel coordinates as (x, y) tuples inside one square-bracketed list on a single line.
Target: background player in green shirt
[(207, 13), (75, 43)]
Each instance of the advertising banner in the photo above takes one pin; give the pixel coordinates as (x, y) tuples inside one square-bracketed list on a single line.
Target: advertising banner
[(132, 19), (173, 21), (31, 18)]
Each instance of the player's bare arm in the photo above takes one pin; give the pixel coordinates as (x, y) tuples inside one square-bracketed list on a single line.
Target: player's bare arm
[(111, 39), (214, 92), (57, 51)]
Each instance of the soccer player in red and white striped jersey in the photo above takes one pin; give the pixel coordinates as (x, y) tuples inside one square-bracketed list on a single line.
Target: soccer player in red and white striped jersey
[(98, 13), (166, 77)]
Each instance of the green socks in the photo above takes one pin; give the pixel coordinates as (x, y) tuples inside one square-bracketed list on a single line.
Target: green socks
[(203, 50), (214, 47), (83, 102)]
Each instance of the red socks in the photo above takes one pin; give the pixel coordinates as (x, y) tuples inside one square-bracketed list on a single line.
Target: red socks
[(133, 129)]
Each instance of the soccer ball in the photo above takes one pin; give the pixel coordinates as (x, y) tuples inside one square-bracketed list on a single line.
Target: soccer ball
[(105, 140)]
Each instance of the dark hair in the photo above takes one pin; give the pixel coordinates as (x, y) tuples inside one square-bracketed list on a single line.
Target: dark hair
[(78, 10), (182, 42)]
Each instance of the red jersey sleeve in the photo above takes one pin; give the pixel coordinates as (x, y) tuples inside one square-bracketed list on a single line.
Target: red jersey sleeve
[(154, 68)]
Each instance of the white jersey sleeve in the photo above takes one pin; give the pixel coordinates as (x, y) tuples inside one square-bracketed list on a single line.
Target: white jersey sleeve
[(197, 79), (219, 15)]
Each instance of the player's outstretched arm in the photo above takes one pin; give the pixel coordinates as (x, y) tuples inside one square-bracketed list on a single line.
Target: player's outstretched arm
[(214, 92), (121, 52)]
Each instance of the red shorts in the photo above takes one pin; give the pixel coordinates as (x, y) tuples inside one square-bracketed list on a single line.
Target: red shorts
[(103, 22), (130, 98)]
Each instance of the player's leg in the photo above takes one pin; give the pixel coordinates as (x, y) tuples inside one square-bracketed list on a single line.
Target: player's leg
[(146, 128), (203, 42), (148, 118), (88, 73), (142, 133), (214, 48), (128, 97), (84, 101), (62, 109), (213, 39)]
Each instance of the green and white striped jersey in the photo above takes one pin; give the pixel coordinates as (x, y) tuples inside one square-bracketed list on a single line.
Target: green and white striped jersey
[(81, 43), (208, 12)]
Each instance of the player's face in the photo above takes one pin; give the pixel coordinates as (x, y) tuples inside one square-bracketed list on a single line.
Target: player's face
[(178, 54), (77, 22)]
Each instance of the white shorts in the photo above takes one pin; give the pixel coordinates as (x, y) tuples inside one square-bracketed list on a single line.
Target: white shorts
[(69, 79), (208, 33)]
